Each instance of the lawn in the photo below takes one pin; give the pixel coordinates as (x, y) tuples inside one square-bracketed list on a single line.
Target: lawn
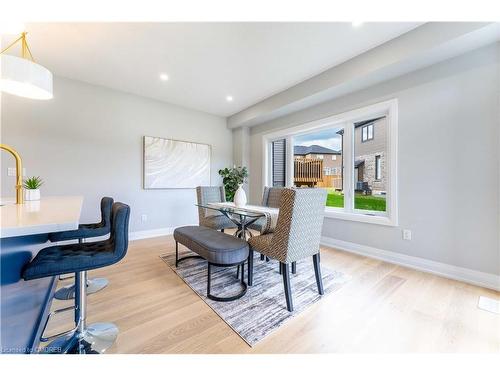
[(361, 202)]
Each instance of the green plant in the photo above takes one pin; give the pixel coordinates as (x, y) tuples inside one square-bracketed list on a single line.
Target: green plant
[(32, 183), (231, 178)]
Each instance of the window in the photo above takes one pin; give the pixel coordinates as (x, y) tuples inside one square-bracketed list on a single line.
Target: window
[(361, 180), (317, 172), (378, 168), (367, 133)]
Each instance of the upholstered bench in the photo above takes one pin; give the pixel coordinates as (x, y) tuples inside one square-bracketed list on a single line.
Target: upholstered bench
[(217, 248)]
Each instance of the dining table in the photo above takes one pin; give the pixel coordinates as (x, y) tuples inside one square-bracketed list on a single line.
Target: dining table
[(244, 216)]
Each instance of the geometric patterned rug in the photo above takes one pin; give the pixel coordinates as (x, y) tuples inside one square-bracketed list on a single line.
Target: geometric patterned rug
[(263, 308)]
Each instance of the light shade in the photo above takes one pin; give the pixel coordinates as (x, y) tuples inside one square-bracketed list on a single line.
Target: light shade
[(23, 77)]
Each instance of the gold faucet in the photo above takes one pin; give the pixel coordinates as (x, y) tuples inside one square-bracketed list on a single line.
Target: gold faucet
[(19, 173)]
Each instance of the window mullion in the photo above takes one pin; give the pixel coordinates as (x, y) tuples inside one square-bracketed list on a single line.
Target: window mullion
[(348, 154)]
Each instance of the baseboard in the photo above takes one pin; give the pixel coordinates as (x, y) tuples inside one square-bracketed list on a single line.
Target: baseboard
[(143, 234), (133, 236), (487, 280)]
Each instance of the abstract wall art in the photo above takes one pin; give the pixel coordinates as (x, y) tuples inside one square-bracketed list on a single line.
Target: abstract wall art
[(172, 164)]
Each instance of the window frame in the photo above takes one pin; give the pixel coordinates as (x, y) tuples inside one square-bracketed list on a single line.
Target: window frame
[(347, 119)]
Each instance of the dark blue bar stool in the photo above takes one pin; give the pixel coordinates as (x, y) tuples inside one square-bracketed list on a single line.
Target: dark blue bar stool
[(83, 232), (78, 259)]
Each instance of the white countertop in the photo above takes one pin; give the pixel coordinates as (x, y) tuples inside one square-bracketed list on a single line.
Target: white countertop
[(50, 214)]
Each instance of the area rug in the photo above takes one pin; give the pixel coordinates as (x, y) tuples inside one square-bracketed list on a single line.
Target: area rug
[(263, 308)]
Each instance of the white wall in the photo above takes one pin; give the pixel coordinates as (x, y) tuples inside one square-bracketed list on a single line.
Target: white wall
[(449, 196), (88, 141)]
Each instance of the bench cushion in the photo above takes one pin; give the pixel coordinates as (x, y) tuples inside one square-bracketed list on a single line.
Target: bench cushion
[(215, 247)]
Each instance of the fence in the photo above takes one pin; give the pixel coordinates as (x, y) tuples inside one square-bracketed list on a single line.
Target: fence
[(332, 181)]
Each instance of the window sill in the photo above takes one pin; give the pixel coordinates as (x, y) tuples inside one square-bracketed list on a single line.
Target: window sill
[(361, 218)]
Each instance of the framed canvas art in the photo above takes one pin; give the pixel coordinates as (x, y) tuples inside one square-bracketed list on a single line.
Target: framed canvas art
[(172, 164)]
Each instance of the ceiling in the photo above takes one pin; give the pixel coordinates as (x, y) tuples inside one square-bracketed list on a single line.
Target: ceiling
[(205, 62)]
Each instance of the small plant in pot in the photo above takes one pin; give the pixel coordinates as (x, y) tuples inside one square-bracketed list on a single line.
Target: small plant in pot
[(233, 179), (32, 188)]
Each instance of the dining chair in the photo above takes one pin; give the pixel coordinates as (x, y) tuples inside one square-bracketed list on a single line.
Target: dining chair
[(297, 235), (270, 198), (212, 218)]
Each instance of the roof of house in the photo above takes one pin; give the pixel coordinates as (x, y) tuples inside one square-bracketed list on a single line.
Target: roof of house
[(357, 163), (361, 123), (314, 149)]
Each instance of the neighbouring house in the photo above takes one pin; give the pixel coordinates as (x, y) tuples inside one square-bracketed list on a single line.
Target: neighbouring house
[(370, 143), (318, 166), (370, 147)]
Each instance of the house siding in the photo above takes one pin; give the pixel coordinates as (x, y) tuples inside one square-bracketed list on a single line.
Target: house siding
[(368, 150)]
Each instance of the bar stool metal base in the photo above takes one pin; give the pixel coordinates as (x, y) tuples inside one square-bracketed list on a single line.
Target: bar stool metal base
[(95, 339), (93, 286)]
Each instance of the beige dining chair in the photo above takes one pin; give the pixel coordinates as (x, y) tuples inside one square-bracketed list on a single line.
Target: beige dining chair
[(212, 218)]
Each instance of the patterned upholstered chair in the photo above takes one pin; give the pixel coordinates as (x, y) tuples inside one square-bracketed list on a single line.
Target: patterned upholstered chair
[(212, 218), (297, 235), (270, 198)]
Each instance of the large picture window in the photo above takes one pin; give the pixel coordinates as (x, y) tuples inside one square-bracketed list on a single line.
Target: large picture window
[(334, 154)]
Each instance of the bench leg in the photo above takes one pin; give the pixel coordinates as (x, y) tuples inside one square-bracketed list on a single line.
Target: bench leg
[(226, 299), (208, 279), (250, 267), (294, 267), (176, 254), (178, 260)]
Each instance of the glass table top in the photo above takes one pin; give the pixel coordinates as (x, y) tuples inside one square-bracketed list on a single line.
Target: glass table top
[(248, 212)]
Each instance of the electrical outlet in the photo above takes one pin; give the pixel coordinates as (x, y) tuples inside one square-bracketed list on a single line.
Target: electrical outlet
[(144, 218), (407, 234)]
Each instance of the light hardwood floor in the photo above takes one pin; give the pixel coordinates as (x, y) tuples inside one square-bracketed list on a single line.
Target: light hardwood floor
[(383, 308)]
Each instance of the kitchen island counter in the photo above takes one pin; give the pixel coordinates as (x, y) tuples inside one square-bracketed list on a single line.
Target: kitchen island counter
[(24, 231)]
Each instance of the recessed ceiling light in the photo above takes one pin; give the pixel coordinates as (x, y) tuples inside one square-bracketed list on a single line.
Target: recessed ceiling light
[(229, 98), (357, 23), (164, 77)]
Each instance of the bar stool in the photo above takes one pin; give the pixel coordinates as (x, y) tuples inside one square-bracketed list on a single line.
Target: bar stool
[(83, 232), (78, 259)]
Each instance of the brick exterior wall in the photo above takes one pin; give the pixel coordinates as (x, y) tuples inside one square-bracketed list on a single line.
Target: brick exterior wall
[(368, 150), (368, 171)]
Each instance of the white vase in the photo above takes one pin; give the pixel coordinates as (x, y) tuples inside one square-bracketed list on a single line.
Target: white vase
[(240, 198), (31, 194)]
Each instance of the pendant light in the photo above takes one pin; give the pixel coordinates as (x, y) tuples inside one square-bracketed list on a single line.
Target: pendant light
[(21, 76)]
